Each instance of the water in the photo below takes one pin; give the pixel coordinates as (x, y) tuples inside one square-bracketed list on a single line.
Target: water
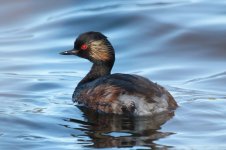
[(178, 43)]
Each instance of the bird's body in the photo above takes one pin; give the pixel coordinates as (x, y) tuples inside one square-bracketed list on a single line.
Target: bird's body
[(115, 93), (124, 94)]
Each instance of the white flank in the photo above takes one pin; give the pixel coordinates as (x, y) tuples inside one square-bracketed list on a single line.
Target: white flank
[(142, 107)]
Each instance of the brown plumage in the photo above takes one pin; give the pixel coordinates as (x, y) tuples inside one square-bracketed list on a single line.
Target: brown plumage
[(115, 93)]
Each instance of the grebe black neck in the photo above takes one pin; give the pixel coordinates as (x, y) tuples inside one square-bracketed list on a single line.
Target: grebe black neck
[(95, 47), (98, 70)]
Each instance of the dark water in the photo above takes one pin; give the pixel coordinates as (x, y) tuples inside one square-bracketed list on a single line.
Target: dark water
[(181, 44)]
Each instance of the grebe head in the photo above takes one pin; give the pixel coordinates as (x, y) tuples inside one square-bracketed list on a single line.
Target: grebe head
[(93, 46)]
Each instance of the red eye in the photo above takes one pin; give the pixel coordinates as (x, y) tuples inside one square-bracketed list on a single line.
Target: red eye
[(84, 47)]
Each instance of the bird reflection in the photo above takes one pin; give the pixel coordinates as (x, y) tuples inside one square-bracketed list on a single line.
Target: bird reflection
[(105, 131)]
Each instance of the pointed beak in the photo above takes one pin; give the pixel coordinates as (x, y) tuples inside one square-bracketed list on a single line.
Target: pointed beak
[(70, 52)]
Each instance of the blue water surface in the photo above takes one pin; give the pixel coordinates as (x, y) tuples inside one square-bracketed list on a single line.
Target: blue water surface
[(179, 44)]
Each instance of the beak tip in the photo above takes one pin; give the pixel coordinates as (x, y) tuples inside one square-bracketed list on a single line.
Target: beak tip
[(69, 52), (65, 53)]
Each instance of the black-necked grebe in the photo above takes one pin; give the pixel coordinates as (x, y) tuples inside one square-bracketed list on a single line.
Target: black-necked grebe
[(115, 93)]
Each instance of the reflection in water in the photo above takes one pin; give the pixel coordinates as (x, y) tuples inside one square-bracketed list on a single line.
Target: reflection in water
[(107, 131)]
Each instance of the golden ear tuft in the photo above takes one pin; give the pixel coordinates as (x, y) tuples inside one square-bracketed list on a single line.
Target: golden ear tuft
[(99, 50)]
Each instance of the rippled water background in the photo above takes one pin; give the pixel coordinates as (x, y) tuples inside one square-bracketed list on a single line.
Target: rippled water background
[(180, 44)]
